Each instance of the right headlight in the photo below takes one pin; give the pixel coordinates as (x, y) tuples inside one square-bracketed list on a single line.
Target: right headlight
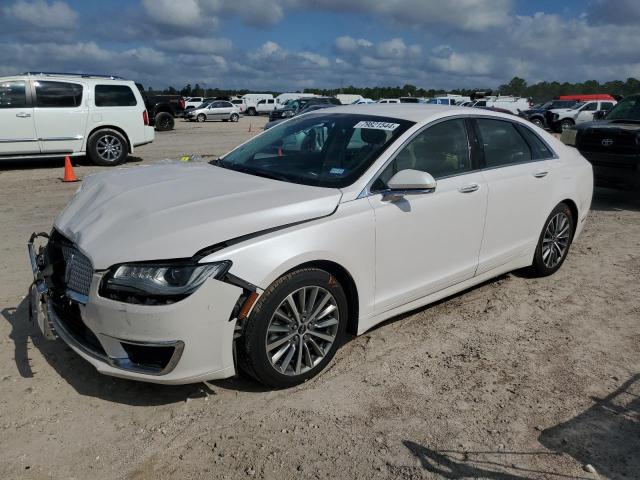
[(170, 281)]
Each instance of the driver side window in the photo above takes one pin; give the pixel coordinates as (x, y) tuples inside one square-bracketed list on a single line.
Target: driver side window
[(441, 150)]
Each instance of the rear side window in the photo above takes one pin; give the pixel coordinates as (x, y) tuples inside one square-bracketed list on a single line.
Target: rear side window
[(57, 94), (114, 96), (539, 149), (12, 94), (502, 143)]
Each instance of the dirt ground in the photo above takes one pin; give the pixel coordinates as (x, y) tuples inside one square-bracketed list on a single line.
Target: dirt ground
[(518, 378)]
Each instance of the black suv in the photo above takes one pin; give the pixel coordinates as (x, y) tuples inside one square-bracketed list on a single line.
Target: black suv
[(611, 144), (292, 107), (537, 116)]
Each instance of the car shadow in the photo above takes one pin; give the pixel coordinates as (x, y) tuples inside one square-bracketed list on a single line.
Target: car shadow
[(613, 200), (80, 374), (490, 465), (607, 435)]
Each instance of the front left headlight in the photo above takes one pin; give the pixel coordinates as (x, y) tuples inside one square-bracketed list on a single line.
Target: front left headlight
[(156, 280)]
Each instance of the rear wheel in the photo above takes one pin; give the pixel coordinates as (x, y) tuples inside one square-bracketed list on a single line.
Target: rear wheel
[(164, 122), (294, 329), (554, 242), (107, 148)]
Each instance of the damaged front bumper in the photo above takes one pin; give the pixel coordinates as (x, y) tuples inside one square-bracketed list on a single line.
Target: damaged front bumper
[(184, 342)]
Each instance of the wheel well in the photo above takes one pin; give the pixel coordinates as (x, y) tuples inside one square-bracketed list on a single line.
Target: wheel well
[(104, 127), (574, 211), (350, 289), (567, 120)]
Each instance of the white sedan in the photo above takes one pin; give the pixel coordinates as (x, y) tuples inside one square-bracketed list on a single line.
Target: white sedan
[(324, 225)]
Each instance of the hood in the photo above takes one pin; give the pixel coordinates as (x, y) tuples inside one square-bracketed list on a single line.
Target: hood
[(170, 211), (609, 125)]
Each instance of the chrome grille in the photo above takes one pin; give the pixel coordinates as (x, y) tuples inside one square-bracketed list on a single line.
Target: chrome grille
[(78, 270)]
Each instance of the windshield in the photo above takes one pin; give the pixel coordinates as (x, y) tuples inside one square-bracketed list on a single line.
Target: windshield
[(627, 109), (325, 150)]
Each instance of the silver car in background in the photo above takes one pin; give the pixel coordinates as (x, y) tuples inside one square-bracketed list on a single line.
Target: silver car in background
[(215, 110)]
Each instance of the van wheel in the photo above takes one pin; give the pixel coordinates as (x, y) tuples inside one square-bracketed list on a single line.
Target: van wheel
[(164, 122), (251, 112), (295, 328), (107, 148)]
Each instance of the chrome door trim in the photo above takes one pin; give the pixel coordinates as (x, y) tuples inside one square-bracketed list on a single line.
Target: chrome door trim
[(61, 139), (12, 140)]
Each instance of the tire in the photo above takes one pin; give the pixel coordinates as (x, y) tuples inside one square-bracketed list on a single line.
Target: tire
[(552, 248), (164, 122), (289, 337), (251, 112), (234, 117), (201, 118), (107, 148), (537, 122), (566, 123)]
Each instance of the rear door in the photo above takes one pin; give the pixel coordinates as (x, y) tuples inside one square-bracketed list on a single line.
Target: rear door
[(60, 112), (518, 170), (17, 132)]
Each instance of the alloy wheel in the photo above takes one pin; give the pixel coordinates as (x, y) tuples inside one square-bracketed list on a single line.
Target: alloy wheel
[(302, 330), (556, 240), (109, 148)]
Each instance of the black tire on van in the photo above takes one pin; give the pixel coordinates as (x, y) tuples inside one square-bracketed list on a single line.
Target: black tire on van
[(107, 147)]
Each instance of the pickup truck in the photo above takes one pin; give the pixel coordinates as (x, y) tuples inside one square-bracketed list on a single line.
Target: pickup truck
[(537, 116), (611, 143), (162, 109)]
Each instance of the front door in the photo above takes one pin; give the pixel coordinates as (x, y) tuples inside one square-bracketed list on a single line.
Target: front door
[(18, 133), (586, 112), (428, 242), (61, 112)]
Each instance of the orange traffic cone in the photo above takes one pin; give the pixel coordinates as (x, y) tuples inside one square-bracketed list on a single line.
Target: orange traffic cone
[(249, 128), (69, 176)]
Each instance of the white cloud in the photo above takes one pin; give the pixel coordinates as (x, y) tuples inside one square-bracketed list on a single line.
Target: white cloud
[(55, 15)]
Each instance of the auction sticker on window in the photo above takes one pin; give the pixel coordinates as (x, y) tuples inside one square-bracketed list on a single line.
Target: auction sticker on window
[(377, 125)]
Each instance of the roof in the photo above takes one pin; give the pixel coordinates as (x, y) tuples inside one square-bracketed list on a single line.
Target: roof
[(414, 112)]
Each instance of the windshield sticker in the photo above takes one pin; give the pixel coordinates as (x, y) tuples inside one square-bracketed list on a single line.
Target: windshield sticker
[(336, 171), (390, 127)]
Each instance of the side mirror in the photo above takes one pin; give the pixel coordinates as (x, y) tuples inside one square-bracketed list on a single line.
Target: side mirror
[(409, 182), (599, 115)]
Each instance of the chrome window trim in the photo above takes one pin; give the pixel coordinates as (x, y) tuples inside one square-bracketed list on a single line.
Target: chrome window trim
[(366, 192)]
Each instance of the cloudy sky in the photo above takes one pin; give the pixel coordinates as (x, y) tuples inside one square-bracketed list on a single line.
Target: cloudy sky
[(292, 44)]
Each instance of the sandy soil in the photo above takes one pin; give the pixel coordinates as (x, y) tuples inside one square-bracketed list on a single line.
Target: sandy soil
[(519, 378)]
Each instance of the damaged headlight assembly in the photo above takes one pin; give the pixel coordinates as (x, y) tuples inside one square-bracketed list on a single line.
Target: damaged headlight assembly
[(158, 283)]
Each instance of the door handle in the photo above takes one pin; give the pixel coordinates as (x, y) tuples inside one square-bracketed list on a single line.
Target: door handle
[(23, 115), (540, 173), (472, 187)]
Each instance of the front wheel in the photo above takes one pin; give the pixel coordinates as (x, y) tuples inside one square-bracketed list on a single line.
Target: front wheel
[(554, 242), (234, 117), (251, 112), (201, 118), (566, 123), (164, 122), (537, 122), (294, 329)]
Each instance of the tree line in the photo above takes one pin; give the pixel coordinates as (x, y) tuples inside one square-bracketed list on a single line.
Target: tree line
[(538, 92)]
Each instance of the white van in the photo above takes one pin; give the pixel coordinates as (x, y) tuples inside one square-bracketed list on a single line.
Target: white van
[(513, 104), (59, 114), (251, 101)]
